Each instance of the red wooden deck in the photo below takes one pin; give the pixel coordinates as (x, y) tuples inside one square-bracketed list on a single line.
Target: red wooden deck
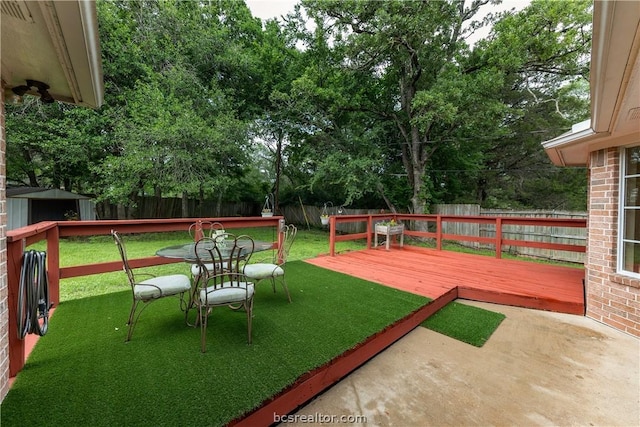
[(433, 273)]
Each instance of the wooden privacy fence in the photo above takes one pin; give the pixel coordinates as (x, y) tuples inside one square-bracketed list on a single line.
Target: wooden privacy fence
[(520, 231), (171, 207)]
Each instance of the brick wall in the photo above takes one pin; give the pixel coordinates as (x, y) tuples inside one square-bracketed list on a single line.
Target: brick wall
[(4, 295), (612, 298)]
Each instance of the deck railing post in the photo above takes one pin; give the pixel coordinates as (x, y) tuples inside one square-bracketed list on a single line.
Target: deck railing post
[(332, 235), (369, 231), (53, 264), (439, 232), (17, 355), (281, 228)]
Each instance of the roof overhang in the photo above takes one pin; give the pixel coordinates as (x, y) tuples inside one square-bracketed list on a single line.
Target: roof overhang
[(54, 42), (615, 87)]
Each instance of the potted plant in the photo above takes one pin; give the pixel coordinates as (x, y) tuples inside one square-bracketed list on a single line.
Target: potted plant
[(267, 208), (390, 227), (324, 215)]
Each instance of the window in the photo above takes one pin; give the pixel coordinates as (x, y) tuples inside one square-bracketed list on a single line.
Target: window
[(629, 249)]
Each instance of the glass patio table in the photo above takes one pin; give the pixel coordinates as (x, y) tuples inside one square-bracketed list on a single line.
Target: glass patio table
[(187, 252)]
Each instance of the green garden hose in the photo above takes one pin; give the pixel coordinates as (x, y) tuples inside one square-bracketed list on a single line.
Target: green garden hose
[(33, 295)]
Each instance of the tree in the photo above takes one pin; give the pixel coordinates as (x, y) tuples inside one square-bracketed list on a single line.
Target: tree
[(176, 129), (543, 51), (274, 125), (408, 50), (378, 104), (51, 145), (443, 99)]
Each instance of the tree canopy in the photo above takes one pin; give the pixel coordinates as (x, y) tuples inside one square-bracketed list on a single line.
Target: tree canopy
[(387, 104)]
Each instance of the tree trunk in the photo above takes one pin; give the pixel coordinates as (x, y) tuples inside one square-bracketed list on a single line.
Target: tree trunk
[(219, 203), (33, 179), (121, 212), (157, 202), (278, 167), (200, 201), (185, 205)]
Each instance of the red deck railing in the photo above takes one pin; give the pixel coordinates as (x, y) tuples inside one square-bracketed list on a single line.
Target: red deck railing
[(422, 223), (51, 231)]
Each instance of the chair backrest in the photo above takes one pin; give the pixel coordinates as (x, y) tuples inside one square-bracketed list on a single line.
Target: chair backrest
[(220, 260), (201, 229), (223, 253), (289, 236), (123, 254)]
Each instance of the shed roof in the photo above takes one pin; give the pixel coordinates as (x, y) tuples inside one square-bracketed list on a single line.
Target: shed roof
[(42, 193)]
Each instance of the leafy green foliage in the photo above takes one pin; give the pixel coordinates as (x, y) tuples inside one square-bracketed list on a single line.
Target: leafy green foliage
[(376, 104)]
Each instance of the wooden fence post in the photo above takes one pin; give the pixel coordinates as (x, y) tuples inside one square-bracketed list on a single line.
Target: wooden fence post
[(498, 237)]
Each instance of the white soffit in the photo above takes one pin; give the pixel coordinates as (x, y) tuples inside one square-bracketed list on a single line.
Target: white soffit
[(54, 42), (615, 87)]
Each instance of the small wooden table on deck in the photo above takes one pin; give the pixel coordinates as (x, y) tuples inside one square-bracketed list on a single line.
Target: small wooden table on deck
[(388, 231)]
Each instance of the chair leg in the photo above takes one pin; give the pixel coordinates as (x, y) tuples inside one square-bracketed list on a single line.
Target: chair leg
[(190, 305), (249, 309), (284, 286), (203, 328), (286, 289), (132, 319)]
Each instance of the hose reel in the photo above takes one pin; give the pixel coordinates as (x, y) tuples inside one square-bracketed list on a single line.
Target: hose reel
[(33, 295)]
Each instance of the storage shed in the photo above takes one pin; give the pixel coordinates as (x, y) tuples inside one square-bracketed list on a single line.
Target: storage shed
[(30, 205)]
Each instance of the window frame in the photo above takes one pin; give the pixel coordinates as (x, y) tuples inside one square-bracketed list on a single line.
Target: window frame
[(622, 213)]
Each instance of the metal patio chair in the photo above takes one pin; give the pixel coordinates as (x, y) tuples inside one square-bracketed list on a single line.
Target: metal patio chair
[(198, 230), (274, 270), (201, 229), (151, 289), (222, 282)]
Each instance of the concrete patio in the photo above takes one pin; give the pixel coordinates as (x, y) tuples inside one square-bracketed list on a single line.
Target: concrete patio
[(538, 368)]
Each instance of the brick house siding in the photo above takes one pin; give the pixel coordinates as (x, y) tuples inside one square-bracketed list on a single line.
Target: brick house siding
[(612, 298), (4, 295)]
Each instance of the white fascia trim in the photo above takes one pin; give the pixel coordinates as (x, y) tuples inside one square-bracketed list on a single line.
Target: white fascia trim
[(90, 25), (79, 69), (603, 27), (580, 133)]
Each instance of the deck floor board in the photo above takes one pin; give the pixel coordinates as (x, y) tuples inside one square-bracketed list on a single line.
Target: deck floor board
[(432, 273)]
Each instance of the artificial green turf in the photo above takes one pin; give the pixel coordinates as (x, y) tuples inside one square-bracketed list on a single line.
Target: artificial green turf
[(466, 323), (83, 373)]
